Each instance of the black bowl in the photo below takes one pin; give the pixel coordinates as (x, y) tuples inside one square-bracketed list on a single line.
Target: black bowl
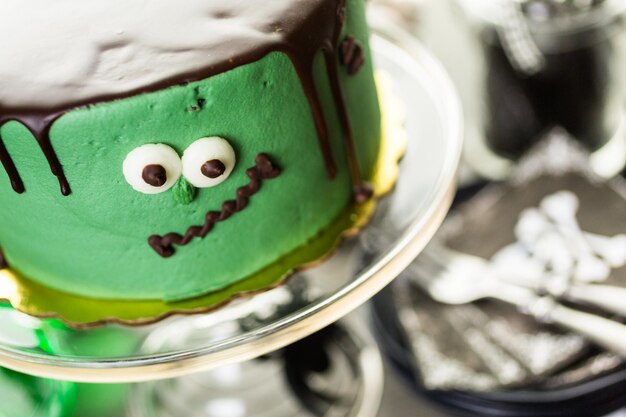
[(592, 398)]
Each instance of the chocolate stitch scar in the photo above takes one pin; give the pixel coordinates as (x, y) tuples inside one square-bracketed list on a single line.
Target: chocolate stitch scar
[(265, 169)]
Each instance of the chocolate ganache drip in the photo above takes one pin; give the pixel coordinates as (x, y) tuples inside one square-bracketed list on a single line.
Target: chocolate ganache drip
[(3, 260), (39, 125), (241, 32)]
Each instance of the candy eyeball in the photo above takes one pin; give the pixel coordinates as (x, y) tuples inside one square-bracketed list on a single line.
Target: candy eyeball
[(208, 162), (152, 168)]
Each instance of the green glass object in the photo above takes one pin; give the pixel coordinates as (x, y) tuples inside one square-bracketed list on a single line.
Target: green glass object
[(28, 396), (24, 395), (92, 400)]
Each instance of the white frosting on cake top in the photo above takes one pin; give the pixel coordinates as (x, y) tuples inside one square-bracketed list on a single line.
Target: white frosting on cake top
[(67, 51)]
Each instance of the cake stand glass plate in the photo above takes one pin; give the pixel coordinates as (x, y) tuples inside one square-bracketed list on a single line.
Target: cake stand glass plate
[(404, 222), (343, 376)]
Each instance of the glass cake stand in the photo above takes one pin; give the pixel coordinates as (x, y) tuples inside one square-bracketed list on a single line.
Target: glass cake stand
[(404, 222)]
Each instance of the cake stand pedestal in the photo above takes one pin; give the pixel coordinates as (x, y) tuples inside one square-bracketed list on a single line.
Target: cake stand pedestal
[(404, 222), (337, 372)]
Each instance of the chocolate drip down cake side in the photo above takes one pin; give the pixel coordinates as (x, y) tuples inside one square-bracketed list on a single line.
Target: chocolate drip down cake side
[(164, 151)]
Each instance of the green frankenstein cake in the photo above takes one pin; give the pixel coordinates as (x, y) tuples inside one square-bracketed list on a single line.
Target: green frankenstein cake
[(159, 150)]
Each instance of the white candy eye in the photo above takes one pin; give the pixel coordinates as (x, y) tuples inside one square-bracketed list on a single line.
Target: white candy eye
[(152, 168), (208, 162)]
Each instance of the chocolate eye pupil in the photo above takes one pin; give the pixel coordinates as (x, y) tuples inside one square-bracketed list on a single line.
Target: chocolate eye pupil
[(154, 175), (213, 168)]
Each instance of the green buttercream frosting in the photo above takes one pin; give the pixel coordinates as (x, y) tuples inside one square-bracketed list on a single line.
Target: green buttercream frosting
[(184, 192)]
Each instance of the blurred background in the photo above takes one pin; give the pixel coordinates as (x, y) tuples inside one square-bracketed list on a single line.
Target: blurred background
[(542, 88)]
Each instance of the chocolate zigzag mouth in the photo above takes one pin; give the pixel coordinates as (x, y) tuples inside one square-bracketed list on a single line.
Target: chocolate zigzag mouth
[(264, 169)]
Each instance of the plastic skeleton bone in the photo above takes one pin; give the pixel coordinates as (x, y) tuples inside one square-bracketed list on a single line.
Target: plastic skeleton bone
[(612, 249), (561, 249), (550, 239), (561, 208), (533, 223), (546, 244)]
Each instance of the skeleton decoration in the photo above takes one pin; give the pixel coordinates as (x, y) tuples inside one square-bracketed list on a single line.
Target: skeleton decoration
[(552, 250), (533, 231)]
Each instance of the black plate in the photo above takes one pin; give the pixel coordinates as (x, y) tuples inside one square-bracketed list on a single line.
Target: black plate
[(592, 398)]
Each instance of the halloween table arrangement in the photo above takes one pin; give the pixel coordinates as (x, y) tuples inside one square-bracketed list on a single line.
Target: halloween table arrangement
[(142, 303), (516, 307)]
